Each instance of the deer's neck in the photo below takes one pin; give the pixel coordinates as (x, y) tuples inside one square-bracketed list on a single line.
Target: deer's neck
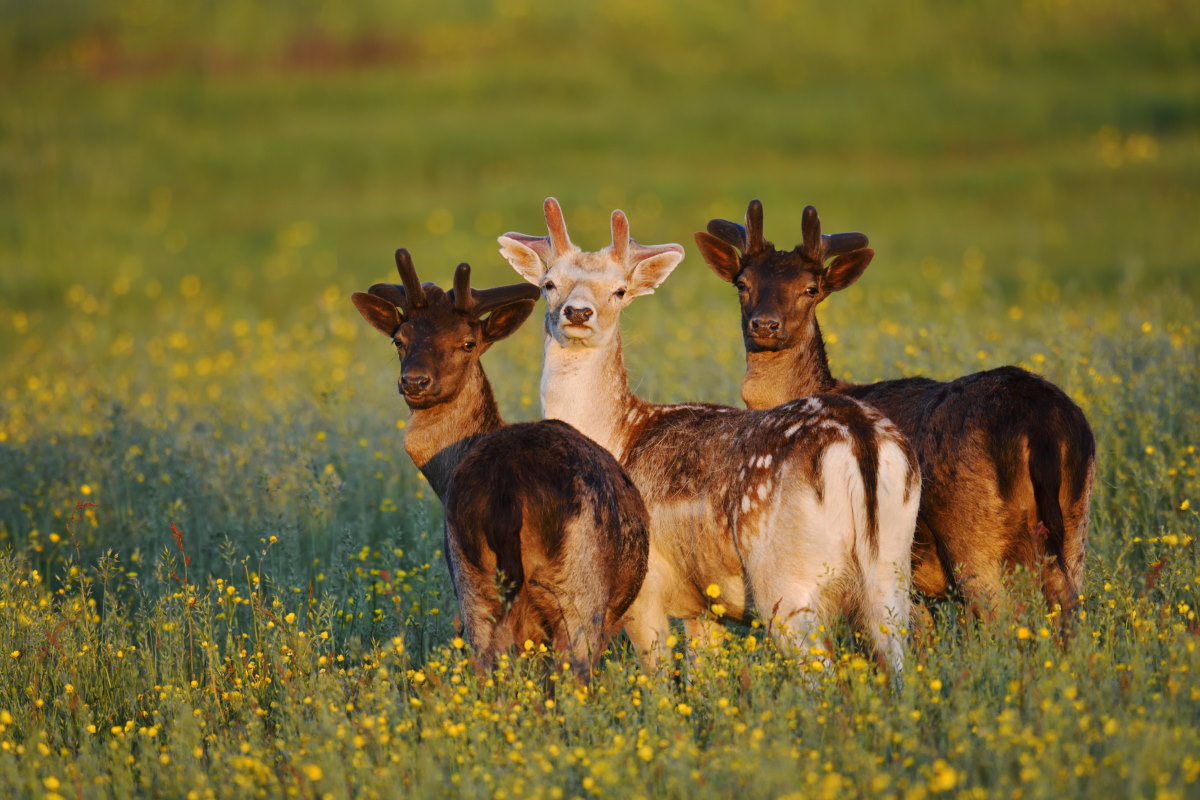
[(777, 376), (587, 387), (439, 437)]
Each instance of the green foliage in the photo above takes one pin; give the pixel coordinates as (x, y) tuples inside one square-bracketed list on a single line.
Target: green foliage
[(190, 192)]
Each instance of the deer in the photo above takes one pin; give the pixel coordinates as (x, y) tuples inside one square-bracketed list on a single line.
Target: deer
[(804, 512), (546, 536), (1007, 459)]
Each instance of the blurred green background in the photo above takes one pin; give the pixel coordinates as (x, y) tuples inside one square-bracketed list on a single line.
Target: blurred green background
[(189, 192)]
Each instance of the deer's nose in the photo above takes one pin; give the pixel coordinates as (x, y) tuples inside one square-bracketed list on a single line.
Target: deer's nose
[(764, 325), (577, 316), (415, 383)]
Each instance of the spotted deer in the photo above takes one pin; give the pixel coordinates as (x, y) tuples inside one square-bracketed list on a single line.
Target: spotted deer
[(1007, 459), (546, 536), (805, 510)]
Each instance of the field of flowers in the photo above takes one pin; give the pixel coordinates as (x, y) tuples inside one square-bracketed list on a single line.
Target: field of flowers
[(220, 576)]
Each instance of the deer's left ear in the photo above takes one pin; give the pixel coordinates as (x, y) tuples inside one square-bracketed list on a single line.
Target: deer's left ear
[(505, 320), (720, 256), (523, 258), (382, 314), (846, 269), (649, 273)]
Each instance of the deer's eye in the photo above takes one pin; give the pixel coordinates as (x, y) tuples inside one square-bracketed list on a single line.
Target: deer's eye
[(740, 285), (620, 292), (468, 345), (548, 286), (811, 291)]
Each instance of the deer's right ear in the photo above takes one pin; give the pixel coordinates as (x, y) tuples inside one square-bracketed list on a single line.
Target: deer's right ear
[(524, 260), (721, 257), (382, 314)]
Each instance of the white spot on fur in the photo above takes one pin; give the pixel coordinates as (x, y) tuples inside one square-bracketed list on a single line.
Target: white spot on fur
[(766, 460), (745, 503), (792, 430), (762, 491)]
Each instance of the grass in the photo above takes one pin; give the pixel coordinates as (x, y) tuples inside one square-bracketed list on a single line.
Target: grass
[(189, 197)]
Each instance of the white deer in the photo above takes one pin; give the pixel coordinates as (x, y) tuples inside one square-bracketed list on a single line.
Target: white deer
[(807, 510)]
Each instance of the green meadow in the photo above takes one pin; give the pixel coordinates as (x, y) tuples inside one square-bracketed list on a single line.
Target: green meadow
[(220, 575)]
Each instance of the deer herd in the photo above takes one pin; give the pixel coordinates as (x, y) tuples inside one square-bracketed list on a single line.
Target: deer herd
[(820, 501)]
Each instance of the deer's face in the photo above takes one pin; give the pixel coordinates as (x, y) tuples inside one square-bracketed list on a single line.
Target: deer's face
[(586, 291), (438, 348), (778, 293), (584, 295)]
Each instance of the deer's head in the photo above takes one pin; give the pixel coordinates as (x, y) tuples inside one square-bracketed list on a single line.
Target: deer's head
[(585, 292), (440, 335), (779, 289)]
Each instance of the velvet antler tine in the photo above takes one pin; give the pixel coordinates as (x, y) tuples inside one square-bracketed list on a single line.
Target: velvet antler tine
[(838, 243), (557, 226), (462, 288), (392, 293), (754, 227), (728, 232), (620, 235), (810, 224), (484, 300), (408, 276)]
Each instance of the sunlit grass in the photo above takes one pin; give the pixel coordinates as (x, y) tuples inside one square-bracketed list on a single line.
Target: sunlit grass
[(222, 576)]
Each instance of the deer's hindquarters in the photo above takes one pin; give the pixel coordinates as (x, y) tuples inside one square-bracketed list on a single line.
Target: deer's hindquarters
[(1008, 461), (547, 539), (836, 536)]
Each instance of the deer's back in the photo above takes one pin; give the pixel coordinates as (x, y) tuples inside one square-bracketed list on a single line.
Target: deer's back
[(704, 469), (986, 417)]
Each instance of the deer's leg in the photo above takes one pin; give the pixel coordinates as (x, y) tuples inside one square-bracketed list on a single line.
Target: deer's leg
[(481, 617), (975, 541), (885, 611), (790, 599), (703, 633), (646, 620), (648, 628)]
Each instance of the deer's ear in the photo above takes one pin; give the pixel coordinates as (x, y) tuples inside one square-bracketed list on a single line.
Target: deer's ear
[(847, 268), (524, 259), (502, 322), (649, 273), (382, 314), (721, 257)]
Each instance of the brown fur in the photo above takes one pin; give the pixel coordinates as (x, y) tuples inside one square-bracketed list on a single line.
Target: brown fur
[(1006, 457), (546, 536)]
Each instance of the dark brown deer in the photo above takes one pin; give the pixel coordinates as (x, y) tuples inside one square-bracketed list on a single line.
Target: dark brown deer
[(806, 509), (1006, 458), (546, 536)]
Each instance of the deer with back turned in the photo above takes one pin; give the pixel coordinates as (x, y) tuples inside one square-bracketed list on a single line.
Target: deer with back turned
[(1007, 459), (805, 511), (546, 536)]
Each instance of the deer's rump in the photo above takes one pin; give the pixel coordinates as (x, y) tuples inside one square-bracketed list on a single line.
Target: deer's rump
[(1003, 445), (548, 518)]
